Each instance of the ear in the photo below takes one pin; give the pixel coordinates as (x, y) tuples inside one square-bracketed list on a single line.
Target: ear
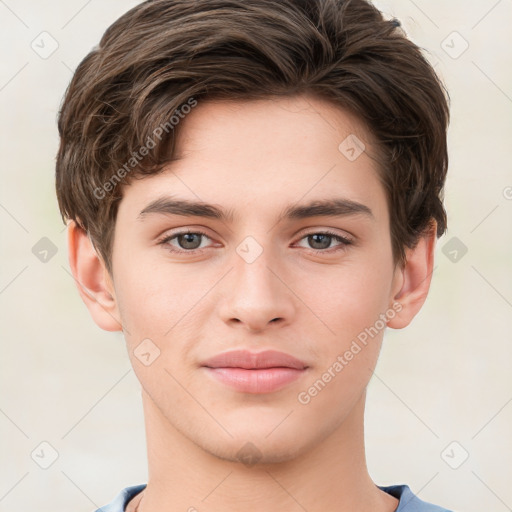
[(92, 279), (412, 281)]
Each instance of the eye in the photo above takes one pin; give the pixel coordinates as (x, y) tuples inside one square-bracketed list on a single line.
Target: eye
[(186, 241), (192, 241), (321, 241)]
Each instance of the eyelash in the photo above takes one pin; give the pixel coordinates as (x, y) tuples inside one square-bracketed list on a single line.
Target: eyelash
[(344, 242)]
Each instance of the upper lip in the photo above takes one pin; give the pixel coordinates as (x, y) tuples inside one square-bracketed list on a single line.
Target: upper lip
[(254, 360)]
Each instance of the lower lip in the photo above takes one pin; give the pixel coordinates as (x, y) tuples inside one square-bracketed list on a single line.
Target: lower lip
[(263, 380)]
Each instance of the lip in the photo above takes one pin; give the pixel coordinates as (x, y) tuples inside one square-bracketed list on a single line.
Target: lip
[(255, 372)]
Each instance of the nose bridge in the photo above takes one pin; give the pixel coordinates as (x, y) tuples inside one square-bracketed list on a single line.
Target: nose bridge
[(256, 296)]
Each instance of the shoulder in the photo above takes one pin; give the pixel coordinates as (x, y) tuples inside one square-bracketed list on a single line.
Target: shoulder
[(408, 501), (118, 504)]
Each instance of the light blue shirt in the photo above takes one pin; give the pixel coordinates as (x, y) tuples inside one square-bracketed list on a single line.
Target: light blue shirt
[(408, 502)]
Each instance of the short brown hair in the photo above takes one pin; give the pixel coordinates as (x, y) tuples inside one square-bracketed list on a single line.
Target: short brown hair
[(161, 54)]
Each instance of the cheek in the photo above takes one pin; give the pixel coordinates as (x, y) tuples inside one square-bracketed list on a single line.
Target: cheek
[(153, 298), (346, 299), (350, 304)]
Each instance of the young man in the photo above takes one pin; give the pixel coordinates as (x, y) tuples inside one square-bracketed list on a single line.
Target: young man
[(253, 193)]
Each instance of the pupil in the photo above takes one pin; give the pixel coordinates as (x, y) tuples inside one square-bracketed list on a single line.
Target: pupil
[(323, 245), (189, 241)]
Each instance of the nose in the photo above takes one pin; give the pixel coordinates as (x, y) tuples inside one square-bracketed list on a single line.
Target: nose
[(257, 296)]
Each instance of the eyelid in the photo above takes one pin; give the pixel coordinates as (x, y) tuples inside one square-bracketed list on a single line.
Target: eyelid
[(328, 231), (168, 235), (182, 230)]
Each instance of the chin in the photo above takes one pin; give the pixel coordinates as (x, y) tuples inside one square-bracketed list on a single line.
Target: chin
[(251, 452), (259, 440)]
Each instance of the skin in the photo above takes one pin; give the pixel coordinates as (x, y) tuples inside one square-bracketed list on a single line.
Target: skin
[(255, 158)]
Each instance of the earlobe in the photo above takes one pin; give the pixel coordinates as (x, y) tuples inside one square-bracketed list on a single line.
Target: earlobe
[(92, 279), (414, 279)]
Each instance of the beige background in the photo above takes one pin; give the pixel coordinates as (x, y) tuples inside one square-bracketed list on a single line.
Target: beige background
[(446, 378)]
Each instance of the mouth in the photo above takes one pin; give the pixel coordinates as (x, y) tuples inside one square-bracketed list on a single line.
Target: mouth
[(255, 372)]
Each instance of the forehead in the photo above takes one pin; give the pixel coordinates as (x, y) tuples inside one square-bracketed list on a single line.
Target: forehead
[(263, 155), (274, 123)]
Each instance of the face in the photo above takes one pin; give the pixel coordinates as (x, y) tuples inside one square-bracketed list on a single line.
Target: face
[(265, 267)]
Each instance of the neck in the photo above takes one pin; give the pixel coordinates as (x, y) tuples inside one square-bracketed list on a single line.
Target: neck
[(329, 476)]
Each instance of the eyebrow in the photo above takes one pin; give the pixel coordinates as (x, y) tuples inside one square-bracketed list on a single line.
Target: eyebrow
[(337, 207)]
